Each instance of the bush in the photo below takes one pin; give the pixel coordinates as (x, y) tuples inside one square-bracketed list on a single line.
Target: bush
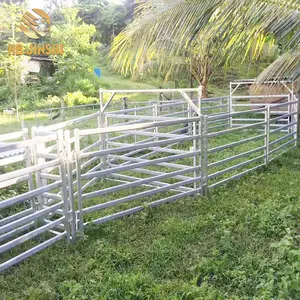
[(86, 87), (29, 97), (77, 98), (5, 94)]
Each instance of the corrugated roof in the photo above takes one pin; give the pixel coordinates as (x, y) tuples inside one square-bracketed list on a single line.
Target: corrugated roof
[(6, 154)]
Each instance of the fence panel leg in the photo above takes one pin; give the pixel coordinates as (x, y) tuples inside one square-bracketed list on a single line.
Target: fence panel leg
[(204, 158), (69, 160), (267, 134), (63, 177), (79, 217)]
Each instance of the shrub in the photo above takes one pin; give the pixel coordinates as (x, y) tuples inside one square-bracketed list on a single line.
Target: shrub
[(77, 98), (86, 87)]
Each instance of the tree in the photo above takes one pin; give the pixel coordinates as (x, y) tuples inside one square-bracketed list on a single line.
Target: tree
[(109, 19), (220, 31), (12, 64), (77, 40)]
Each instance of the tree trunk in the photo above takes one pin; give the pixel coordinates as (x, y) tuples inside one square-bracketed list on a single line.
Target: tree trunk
[(201, 73), (205, 75)]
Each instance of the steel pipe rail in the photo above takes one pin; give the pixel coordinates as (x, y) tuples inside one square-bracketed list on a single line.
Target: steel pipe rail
[(156, 148)]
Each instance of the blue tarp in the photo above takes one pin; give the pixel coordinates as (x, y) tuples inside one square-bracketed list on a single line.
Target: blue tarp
[(97, 71)]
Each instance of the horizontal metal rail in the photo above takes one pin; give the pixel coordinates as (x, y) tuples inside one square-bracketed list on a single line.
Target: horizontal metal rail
[(19, 240), (154, 91), (154, 148), (166, 122), (139, 146), (259, 96), (283, 127), (233, 114), (138, 183), (234, 144), (141, 208), (226, 180), (27, 219), (12, 181), (15, 232), (240, 165), (16, 216), (70, 122), (282, 146), (31, 251), (214, 134), (28, 195), (127, 179), (28, 170), (226, 160), (139, 196), (282, 138), (138, 165), (11, 136)]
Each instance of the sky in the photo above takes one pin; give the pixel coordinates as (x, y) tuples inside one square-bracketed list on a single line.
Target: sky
[(40, 3)]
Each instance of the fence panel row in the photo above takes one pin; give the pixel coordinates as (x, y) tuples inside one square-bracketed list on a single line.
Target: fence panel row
[(135, 158)]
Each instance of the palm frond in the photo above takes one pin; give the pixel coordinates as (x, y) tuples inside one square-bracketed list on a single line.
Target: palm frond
[(286, 66), (231, 27)]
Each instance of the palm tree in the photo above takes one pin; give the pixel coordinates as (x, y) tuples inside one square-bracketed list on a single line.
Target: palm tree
[(206, 31)]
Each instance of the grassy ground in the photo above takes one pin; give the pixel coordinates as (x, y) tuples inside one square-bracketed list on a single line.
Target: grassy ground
[(239, 243), (242, 242)]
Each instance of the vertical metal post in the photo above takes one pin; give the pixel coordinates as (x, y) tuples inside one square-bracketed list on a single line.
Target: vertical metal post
[(298, 117), (51, 116), (295, 117), (267, 134), (155, 114), (230, 105), (79, 219), (189, 125), (106, 137), (290, 110), (135, 114), (29, 158), (200, 98), (36, 161), (199, 155), (102, 137), (160, 99), (101, 99), (101, 124), (69, 162), (204, 158), (194, 150), (62, 172)]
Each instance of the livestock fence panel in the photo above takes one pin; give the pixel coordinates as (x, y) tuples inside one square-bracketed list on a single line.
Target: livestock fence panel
[(158, 168), (37, 216), (116, 162)]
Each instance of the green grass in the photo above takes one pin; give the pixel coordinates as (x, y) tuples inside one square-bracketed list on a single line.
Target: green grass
[(239, 243)]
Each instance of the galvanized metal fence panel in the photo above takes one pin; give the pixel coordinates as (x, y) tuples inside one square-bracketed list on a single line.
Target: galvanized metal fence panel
[(165, 162), (152, 154), (37, 217)]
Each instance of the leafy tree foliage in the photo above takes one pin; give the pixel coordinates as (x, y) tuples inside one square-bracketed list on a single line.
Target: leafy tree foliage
[(201, 31), (109, 19)]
